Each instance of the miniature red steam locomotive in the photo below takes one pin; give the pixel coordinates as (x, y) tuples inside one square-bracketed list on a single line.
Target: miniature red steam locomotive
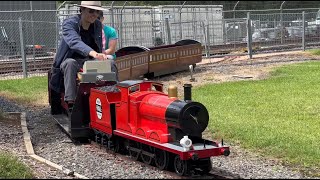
[(137, 117)]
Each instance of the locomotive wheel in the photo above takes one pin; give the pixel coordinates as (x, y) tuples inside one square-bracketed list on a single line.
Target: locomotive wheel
[(98, 138), (119, 146), (161, 159), (132, 152), (145, 158), (207, 168), (180, 166)]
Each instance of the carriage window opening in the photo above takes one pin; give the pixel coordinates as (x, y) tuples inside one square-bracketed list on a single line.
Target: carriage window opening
[(133, 89)]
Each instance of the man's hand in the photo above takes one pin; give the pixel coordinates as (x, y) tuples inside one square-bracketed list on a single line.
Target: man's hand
[(99, 56)]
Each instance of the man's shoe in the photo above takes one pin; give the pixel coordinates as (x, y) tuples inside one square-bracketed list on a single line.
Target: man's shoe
[(70, 107)]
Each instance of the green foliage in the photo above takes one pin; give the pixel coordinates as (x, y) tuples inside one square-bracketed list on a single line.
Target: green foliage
[(158, 41), (12, 168), (279, 116)]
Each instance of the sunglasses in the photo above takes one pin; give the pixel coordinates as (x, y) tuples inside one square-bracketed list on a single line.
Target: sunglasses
[(91, 11)]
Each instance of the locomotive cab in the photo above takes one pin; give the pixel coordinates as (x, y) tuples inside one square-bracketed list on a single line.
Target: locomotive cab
[(76, 122)]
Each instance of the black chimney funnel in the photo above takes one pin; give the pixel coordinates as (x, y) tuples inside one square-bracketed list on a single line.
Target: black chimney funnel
[(187, 92)]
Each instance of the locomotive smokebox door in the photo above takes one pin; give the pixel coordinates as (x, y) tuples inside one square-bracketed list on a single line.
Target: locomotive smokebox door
[(191, 117)]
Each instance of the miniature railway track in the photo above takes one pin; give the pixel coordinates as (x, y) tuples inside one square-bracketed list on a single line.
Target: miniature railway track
[(15, 65), (211, 175)]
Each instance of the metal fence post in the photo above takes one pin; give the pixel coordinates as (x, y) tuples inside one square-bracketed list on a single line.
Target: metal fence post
[(208, 33), (168, 31), (57, 29), (112, 15), (281, 21), (224, 31), (303, 31), (121, 30), (180, 25), (23, 55), (249, 35), (121, 25), (180, 19), (281, 26), (33, 41), (194, 29), (205, 39)]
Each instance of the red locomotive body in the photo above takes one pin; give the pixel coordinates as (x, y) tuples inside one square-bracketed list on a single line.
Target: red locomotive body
[(143, 116), (138, 118)]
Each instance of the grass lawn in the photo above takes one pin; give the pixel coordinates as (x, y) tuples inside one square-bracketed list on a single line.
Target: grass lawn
[(12, 168), (279, 116), (26, 91), (314, 51)]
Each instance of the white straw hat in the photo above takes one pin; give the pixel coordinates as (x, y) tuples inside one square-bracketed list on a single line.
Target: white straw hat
[(92, 5)]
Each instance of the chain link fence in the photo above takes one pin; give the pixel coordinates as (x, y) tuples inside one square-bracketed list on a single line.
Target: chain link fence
[(221, 33)]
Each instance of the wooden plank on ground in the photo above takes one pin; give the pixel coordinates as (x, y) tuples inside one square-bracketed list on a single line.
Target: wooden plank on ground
[(26, 135), (30, 151)]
